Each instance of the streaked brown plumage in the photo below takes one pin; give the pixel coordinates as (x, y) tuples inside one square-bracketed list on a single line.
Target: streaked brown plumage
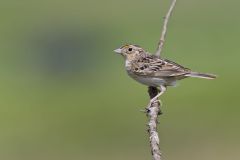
[(151, 70)]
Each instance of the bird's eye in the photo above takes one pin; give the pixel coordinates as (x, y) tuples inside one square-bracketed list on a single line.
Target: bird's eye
[(130, 49)]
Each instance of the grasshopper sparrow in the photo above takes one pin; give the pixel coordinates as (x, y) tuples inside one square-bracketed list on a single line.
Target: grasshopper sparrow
[(153, 71)]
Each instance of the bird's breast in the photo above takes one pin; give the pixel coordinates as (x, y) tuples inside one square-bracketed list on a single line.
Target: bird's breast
[(149, 81)]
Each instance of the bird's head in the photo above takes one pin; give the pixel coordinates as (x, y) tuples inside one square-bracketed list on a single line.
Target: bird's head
[(129, 51)]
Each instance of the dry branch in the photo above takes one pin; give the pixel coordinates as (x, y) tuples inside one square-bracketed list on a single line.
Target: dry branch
[(152, 112), (155, 109), (164, 29)]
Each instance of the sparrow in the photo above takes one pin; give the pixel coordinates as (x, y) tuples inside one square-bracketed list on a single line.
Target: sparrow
[(154, 71)]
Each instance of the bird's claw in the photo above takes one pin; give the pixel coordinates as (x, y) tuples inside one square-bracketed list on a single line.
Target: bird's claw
[(147, 109)]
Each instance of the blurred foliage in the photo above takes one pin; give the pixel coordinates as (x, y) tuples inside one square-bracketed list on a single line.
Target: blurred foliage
[(65, 94)]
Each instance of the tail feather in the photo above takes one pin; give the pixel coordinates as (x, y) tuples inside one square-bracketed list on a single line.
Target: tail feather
[(201, 75)]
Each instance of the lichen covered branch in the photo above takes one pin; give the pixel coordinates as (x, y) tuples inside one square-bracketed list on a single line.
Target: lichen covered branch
[(152, 112)]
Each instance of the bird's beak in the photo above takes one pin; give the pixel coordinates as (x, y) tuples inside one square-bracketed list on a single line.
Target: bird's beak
[(119, 51)]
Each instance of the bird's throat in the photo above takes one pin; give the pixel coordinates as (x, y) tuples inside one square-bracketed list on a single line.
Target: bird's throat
[(127, 64)]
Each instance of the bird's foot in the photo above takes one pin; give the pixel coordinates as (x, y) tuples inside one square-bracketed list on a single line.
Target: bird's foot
[(147, 109)]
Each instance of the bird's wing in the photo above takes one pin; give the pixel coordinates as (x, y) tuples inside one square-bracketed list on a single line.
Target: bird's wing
[(153, 66)]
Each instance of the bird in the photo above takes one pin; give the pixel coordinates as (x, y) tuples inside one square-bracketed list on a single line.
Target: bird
[(151, 70)]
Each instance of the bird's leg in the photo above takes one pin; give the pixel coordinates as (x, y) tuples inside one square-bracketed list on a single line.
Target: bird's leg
[(162, 90)]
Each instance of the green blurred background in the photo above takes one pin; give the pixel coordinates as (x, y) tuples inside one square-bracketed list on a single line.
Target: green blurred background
[(65, 94)]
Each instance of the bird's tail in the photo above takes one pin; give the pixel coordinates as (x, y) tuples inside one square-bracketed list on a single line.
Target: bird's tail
[(201, 75)]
